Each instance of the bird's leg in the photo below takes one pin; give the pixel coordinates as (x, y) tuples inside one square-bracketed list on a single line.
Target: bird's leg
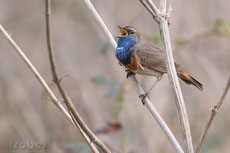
[(129, 73), (143, 96)]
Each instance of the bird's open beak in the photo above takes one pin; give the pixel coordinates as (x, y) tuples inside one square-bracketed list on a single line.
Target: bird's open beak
[(123, 33)]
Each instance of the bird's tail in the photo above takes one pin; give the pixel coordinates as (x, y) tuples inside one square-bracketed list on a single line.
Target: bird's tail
[(190, 80)]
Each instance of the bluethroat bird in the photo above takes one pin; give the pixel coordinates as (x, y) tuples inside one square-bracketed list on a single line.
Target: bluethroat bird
[(143, 57)]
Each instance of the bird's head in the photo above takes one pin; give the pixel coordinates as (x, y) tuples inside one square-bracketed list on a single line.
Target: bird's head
[(129, 31)]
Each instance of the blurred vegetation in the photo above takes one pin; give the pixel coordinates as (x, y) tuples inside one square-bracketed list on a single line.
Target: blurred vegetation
[(221, 28), (115, 90), (156, 38)]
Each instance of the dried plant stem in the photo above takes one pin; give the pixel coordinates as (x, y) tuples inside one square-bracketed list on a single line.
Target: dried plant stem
[(162, 20), (139, 89), (148, 8), (81, 125), (212, 116), (154, 8), (36, 73), (175, 85)]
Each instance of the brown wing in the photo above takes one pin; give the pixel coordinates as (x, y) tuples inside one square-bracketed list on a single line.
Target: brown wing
[(150, 56)]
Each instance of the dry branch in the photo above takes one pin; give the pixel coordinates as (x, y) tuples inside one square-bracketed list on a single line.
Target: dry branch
[(148, 8), (212, 116), (139, 89), (89, 136), (36, 73), (162, 19)]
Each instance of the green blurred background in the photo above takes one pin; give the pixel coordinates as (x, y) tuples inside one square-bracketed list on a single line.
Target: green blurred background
[(200, 34)]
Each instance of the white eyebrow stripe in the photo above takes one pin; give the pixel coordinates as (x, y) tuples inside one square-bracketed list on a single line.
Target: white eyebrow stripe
[(132, 29)]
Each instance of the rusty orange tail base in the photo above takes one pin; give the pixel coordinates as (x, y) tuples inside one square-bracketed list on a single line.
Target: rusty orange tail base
[(190, 80)]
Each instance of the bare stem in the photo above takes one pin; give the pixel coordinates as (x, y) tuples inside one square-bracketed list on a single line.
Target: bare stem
[(154, 8), (148, 8), (36, 73), (162, 6), (79, 123), (161, 19), (166, 45), (212, 116), (139, 89)]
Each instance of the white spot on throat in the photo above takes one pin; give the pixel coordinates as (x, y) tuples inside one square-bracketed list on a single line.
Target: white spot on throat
[(120, 47)]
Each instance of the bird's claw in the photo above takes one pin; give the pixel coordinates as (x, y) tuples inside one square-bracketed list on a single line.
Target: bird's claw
[(129, 73), (143, 97)]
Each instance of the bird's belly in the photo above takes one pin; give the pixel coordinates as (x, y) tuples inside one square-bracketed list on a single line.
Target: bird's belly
[(147, 71)]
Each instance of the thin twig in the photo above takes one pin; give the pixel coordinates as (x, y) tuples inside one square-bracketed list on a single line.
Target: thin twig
[(36, 73), (154, 8), (139, 89), (148, 8), (84, 130), (212, 116), (53, 69), (170, 64), (159, 119)]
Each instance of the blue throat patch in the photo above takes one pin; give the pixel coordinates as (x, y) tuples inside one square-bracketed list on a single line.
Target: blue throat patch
[(123, 52)]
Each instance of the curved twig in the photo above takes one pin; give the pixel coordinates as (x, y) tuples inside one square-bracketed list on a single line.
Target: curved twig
[(83, 128), (37, 75), (148, 8), (212, 116)]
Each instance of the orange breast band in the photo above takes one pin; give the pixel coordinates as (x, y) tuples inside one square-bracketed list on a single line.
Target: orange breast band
[(133, 65)]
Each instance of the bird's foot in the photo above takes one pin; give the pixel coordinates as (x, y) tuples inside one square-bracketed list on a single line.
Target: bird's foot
[(129, 73), (143, 97)]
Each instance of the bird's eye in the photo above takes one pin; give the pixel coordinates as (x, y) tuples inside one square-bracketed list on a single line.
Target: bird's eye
[(132, 32)]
